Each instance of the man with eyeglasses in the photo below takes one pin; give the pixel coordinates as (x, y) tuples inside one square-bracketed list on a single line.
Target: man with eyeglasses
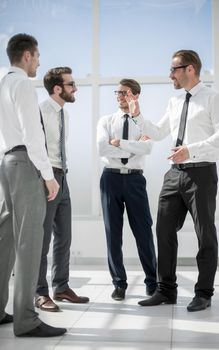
[(191, 183), (61, 88), (123, 186)]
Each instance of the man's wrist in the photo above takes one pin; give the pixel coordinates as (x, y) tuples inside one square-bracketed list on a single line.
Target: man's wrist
[(136, 115)]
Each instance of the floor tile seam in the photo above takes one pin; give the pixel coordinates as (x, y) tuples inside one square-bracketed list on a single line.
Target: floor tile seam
[(89, 306), (190, 342), (108, 340), (171, 327), (59, 341)]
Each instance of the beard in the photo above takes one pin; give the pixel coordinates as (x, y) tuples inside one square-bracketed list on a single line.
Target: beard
[(67, 97), (176, 84)]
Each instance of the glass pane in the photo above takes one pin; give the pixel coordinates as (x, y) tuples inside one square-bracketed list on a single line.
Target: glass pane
[(62, 28), (79, 150), (139, 37)]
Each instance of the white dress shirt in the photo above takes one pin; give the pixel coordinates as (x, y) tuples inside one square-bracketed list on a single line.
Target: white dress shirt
[(51, 112), (20, 120), (202, 127), (111, 127)]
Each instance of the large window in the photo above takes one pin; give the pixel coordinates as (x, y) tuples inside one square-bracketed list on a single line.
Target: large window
[(138, 37), (62, 28), (104, 41)]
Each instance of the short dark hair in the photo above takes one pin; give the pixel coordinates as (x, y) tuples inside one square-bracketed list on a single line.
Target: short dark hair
[(54, 77), (189, 57), (132, 84), (18, 44)]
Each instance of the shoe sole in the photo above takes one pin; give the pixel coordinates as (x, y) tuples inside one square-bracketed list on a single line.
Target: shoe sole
[(167, 302), (70, 301), (47, 309)]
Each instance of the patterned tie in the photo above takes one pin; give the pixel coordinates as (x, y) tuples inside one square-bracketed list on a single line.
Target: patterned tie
[(183, 119), (62, 141), (125, 135)]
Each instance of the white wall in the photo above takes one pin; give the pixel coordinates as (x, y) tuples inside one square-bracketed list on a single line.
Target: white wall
[(89, 246)]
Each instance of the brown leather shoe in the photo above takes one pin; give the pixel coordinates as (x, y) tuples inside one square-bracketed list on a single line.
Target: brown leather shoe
[(45, 303), (71, 296)]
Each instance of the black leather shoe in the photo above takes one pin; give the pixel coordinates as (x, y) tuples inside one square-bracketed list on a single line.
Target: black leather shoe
[(157, 299), (118, 294), (44, 330), (7, 319), (198, 304)]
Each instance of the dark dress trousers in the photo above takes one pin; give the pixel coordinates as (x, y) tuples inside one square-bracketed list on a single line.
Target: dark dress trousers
[(120, 191)]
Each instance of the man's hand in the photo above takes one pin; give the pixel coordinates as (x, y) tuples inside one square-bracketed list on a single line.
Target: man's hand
[(132, 101), (115, 142), (144, 138), (180, 154), (53, 188)]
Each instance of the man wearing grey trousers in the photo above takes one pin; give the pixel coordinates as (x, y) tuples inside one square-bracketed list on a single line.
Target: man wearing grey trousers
[(24, 170), (61, 88)]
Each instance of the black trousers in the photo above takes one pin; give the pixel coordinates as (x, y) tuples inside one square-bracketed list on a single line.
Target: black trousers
[(58, 223), (193, 190), (117, 192)]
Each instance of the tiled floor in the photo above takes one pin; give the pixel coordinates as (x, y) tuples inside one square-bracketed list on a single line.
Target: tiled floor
[(105, 324)]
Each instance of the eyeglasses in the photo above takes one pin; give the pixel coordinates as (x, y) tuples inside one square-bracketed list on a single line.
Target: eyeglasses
[(120, 93), (173, 69), (71, 83)]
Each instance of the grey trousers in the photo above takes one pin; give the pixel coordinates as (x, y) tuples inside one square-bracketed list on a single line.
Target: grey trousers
[(22, 212), (58, 222)]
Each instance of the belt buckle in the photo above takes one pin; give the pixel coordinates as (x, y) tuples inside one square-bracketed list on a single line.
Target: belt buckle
[(124, 171)]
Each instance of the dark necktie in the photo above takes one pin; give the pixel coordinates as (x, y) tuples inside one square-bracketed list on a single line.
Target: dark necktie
[(125, 135), (43, 127), (62, 141), (183, 119)]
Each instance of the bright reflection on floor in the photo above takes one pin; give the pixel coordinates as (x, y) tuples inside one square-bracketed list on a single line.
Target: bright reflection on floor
[(105, 324)]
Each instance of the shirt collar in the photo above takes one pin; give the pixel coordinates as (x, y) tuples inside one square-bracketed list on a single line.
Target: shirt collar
[(195, 90), (121, 113), (54, 104), (17, 70)]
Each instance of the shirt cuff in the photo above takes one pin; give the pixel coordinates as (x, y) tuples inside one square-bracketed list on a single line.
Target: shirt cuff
[(193, 153), (47, 174), (137, 117)]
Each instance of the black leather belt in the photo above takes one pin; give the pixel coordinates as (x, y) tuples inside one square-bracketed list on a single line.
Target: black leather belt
[(59, 171), (191, 165), (16, 148), (123, 171)]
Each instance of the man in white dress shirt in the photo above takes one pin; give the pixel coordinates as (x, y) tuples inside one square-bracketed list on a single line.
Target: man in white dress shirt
[(123, 185), (61, 88), (191, 183), (24, 170)]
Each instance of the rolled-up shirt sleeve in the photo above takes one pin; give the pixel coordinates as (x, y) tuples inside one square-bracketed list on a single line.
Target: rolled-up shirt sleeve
[(103, 146), (136, 147)]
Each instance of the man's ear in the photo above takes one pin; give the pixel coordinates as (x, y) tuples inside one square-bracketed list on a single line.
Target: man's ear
[(57, 89), (191, 68), (27, 55)]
